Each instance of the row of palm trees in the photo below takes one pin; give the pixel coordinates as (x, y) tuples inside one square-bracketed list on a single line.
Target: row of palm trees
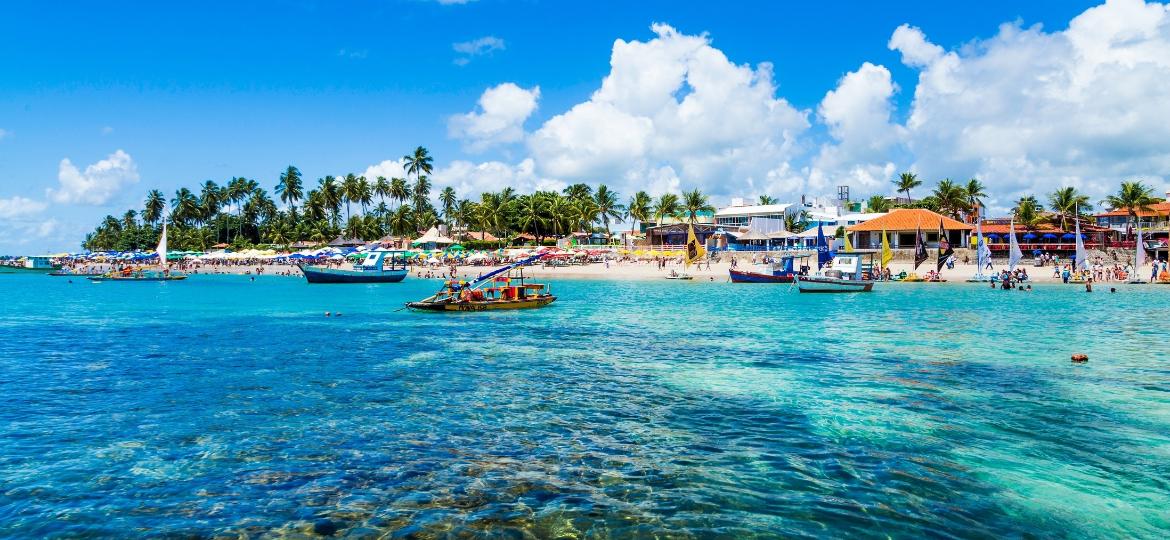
[(241, 213), (1064, 204)]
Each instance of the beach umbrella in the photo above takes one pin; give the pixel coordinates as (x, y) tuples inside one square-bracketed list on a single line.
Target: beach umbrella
[(455, 247), (1049, 236), (1029, 236), (1068, 236)]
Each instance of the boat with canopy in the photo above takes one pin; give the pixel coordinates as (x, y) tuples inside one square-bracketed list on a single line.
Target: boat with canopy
[(503, 288), (842, 273), (29, 265)]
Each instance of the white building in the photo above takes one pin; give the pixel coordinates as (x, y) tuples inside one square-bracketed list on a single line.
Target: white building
[(740, 214)]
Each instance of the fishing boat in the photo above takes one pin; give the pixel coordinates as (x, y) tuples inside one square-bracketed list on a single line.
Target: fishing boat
[(843, 273), (378, 267), (503, 288), (144, 274), (782, 271), (29, 265), (675, 275)]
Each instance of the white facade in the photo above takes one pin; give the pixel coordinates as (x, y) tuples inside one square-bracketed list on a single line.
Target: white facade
[(741, 215)]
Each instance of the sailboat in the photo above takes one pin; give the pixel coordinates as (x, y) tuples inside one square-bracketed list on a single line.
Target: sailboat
[(982, 254), (1139, 260), (1014, 253), (695, 251), (131, 274)]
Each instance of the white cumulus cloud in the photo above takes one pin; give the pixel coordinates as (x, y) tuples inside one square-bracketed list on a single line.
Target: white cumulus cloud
[(470, 179), (18, 207), (1027, 111), (499, 119), (390, 168), (673, 103), (98, 183)]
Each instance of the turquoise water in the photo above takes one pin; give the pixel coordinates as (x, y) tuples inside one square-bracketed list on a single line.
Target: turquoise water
[(222, 406)]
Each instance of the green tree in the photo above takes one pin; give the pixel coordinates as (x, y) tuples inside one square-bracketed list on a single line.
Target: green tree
[(447, 199), (767, 199), (1133, 197), (667, 206), (695, 203), (1029, 212), (607, 206), (907, 181), (878, 203), (153, 207), (951, 199), (1066, 202), (639, 209), (398, 190)]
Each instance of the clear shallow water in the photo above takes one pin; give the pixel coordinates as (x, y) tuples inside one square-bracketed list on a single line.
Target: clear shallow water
[(220, 406)]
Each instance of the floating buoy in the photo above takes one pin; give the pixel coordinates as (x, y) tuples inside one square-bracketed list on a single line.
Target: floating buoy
[(1080, 358), (338, 314)]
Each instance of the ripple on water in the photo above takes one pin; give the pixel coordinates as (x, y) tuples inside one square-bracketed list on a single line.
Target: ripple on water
[(625, 409)]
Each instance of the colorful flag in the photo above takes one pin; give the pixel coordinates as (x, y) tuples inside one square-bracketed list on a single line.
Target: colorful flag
[(920, 255), (823, 256), (945, 251), (848, 244), (887, 254)]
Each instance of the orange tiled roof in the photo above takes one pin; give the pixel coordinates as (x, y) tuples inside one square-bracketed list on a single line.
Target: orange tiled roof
[(1003, 228), (909, 219), (1159, 209)]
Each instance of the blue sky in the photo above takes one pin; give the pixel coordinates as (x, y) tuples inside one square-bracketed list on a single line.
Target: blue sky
[(210, 90)]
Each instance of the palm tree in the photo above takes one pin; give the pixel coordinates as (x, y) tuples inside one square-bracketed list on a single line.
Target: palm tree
[(585, 213), (290, 189), (447, 199), (530, 213), (351, 191), (878, 203), (1028, 211), (330, 197), (578, 191), (767, 199), (607, 206), (418, 163), (639, 208), (907, 181), (382, 188), (1066, 202), (666, 206), (951, 198), (975, 191), (129, 219), (1133, 197), (421, 193), (184, 207), (695, 203), (401, 221), (560, 214), (365, 193), (153, 208), (210, 199), (398, 190)]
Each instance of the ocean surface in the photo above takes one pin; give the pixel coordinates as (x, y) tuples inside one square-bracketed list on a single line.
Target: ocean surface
[(230, 407)]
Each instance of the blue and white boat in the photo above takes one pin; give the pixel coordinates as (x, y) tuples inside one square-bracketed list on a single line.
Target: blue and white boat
[(378, 267), (782, 271)]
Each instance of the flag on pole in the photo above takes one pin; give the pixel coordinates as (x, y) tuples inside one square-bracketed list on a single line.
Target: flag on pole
[(848, 244), (920, 255), (945, 251), (823, 255), (887, 254), (695, 250)]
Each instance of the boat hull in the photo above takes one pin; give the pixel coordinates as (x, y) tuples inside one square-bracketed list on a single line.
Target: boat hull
[(815, 284), (73, 274), (527, 303), (143, 279), (739, 276), (6, 269), (318, 274)]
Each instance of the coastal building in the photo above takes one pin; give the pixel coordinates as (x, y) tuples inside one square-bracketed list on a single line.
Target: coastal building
[(1048, 237), (432, 239), (1157, 218), (740, 214), (902, 224)]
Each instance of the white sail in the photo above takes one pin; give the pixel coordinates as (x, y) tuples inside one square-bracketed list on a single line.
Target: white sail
[(982, 252), (1082, 256), (162, 246), (1139, 259), (1014, 255)]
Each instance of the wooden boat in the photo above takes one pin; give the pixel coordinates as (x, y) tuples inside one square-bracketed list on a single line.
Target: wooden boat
[(675, 275), (507, 291), (372, 269), (29, 265), (915, 278), (844, 275), (147, 277), (783, 271)]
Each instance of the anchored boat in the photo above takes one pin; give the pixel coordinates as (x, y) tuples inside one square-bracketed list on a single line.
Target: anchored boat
[(507, 290), (377, 267), (783, 271), (29, 265), (845, 273)]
